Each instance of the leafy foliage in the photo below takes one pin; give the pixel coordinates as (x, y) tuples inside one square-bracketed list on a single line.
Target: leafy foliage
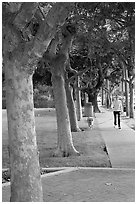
[(103, 30)]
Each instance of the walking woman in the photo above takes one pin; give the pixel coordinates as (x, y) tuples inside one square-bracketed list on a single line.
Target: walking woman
[(117, 109)]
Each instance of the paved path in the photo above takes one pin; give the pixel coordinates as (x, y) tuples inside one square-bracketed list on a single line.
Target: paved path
[(115, 184), (120, 143), (86, 185)]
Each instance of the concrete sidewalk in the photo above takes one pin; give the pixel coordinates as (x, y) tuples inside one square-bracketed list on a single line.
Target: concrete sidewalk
[(115, 184), (86, 185), (120, 143)]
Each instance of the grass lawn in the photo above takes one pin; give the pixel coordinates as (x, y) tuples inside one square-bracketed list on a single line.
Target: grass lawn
[(88, 142)]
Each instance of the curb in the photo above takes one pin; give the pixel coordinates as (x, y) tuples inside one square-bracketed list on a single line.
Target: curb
[(61, 170)]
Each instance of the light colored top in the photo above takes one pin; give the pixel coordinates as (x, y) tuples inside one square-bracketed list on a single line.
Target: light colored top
[(117, 106)]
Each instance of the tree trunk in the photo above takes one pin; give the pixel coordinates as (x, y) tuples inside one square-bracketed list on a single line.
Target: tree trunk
[(126, 94), (93, 100), (102, 97), (71, 108), (110, 100), (131, 99), (24, 158), (107, 101), (126, 87), (122, 86), (96, 108), (85, 98), (78, 100), (107, 94), (65, 144)]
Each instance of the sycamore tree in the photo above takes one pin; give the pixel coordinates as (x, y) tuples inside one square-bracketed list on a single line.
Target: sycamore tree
[(117, 20), (100, 56), (113, 78), (28, 29), (70, 76), (93, 80), (81, 64), (73, 90), (57, 57), (121, 34), (71, 72), (91, 21), (126, 57)]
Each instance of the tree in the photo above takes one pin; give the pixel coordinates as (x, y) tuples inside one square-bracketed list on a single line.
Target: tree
[(78, 99), (28, 29), (57, 57), (80, 64), (93, 81), (114, 77), (122, 37), (70, 99), (75, 113), (71, 108)]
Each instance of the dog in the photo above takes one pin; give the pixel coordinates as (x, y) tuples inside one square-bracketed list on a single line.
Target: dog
[(90, 122)]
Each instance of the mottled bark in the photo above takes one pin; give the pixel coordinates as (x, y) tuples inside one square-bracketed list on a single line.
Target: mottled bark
[(65, 144), (24, 159), (71, 108)]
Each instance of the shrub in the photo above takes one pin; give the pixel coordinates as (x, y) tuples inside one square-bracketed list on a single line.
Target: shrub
[(40, 100), (43, 103), (39, 103)]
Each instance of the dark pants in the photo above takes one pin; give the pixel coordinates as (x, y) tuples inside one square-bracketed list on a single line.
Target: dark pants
[(117, 114)]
